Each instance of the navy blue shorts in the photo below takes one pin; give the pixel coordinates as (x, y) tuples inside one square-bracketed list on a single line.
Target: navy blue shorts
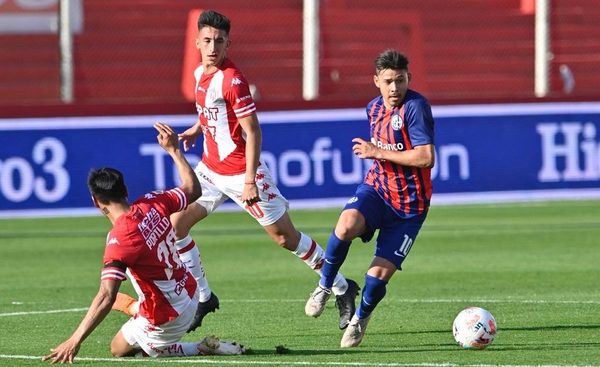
[(396, 234)]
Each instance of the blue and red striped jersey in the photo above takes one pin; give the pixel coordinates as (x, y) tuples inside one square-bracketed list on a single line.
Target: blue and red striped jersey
[(407, 190)]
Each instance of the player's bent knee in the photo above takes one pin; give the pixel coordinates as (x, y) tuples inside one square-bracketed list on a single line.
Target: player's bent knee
[(120, 348), (120, 352), (116, 351), (351, 224)]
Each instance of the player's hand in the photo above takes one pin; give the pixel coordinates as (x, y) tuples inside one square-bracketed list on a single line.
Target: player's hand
[(167, 137), (63, 353), (250, 194), (189, 137), (365, 149)]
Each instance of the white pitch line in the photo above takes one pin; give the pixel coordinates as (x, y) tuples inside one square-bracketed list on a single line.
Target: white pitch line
[(396, 300), (42, 312), (286, 363)]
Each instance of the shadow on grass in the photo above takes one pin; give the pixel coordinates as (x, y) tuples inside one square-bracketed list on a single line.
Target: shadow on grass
[(430, 348), (304, 352), (552, 327), (520, 328)]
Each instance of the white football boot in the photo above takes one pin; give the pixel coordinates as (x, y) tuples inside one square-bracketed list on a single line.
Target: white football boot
[(354, 332), (212, 345), (316, 302)]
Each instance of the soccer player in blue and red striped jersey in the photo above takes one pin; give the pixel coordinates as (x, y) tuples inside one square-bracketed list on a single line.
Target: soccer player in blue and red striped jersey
[(395, 194)]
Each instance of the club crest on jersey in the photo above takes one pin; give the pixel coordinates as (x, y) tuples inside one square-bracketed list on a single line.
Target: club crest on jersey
[(397, 122), (353, 199)]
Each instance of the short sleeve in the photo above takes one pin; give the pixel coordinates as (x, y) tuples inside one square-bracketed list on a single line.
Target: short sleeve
[(117, 254), (420, 122), (239, 97), (174, 199)]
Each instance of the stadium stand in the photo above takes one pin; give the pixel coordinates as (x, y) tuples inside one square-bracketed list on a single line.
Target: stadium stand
[(465, 50)]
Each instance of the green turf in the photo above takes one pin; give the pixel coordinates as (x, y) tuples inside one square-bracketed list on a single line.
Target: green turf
[(534, 266)]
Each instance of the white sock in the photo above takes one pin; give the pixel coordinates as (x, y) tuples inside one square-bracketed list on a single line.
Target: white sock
[(190, 255), (312, 254)]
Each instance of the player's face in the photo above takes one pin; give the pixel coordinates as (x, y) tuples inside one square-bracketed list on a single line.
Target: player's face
[(212, 44), (393, 85)]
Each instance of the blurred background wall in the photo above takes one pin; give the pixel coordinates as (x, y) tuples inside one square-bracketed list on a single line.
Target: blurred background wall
[(128, 56)]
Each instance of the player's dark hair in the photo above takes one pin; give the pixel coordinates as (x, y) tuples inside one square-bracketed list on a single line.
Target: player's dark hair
[(391, 59), (107, 185), (210, 18)]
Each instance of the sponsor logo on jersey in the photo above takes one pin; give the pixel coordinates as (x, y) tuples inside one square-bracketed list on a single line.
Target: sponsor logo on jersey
[(353, 199), (397, 122), (236, 81), (112, 241), (241, 99), (209, 113), (387, 146), (153, 226)]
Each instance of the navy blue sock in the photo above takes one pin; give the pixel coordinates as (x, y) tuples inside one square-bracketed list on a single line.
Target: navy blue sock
[(335, 254), (373, 292)]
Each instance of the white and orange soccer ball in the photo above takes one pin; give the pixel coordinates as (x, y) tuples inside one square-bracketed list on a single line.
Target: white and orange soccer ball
[(474, 328)]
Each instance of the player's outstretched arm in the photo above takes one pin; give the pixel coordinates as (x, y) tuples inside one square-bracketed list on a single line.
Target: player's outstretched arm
[(168, 140), (100, 307)]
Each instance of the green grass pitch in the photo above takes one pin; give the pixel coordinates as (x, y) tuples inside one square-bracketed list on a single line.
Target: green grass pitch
[(535, 266)]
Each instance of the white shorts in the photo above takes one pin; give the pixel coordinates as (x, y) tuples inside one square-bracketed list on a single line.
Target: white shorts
[(217, 188), (155, 339)]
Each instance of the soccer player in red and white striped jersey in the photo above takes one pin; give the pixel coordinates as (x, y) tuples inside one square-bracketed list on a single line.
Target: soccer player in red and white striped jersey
[(141, 244), (395, 194), (231, 166)]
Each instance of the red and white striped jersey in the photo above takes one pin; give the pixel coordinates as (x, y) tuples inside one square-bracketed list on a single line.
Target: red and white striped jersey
[(142, 243), (222, 98)]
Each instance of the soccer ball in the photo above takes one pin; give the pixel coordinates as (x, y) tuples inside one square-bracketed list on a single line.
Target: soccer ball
[(474, 328)]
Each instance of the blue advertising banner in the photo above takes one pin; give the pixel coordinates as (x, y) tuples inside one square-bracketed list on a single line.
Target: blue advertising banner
[(483, 154)]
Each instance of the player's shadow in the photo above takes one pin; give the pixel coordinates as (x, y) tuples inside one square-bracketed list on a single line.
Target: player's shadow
[(519, 328), (433, 347), (558, 346), (552, 327), (302, 352)]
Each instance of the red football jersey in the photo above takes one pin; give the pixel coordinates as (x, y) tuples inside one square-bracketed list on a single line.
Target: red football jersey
[(142, 243), (222, 98)]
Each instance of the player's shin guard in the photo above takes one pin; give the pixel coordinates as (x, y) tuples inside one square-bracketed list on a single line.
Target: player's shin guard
[(311, 253), (190, 255), (372, 294)]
